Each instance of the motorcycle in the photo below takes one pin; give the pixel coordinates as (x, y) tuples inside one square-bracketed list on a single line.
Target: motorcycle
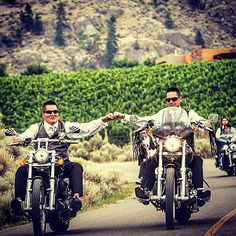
[(226, 156), (173, 191), (48, 194)]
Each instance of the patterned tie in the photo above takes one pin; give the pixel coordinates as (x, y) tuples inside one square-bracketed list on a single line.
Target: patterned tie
[(51, 131), (174, 116)]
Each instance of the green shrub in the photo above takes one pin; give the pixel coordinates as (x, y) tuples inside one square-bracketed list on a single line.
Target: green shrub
[(35, 69), (124, 63), (120, 135)]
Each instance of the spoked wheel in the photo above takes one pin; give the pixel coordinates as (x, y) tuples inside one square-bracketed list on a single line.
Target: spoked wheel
[(38, 208), (170, 201)]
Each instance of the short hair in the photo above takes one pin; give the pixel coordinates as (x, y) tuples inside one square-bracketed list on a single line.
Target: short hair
[(173, 89), (49, 102)]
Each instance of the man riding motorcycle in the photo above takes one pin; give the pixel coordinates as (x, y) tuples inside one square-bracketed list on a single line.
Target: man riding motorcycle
[(51, 127), (173, 100)]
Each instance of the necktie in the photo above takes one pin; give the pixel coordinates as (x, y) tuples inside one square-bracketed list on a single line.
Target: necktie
[(174, 116), (51, 131)]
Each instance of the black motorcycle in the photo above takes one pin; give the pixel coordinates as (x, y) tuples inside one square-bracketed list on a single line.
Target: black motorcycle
[(48, 194), (173, 190), (226, 156)]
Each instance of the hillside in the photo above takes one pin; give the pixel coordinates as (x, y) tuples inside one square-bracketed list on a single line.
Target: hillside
[(140, 30)]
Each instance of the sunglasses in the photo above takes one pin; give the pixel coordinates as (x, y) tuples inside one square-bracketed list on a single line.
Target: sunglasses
[(174, 99), (48, 112)]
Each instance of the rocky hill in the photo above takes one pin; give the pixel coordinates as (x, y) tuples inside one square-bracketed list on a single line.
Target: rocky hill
[(143, 29)]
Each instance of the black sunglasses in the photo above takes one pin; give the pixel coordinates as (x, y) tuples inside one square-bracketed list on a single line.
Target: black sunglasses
[(174, 99), (51, 112)]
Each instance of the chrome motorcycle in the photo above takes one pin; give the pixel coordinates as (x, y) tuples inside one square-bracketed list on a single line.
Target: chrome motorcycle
[(48, 194), (173, 190)]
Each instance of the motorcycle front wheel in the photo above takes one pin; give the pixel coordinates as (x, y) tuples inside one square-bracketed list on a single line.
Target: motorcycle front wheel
[(170, 201), (38, 208)]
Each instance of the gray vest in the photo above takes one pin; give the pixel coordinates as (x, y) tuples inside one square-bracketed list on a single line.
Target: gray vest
[(62, 148)]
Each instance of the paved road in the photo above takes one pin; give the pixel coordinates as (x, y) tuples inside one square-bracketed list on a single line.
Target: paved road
[(130, 217)]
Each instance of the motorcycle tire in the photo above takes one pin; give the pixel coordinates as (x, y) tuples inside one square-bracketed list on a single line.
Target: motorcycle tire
[(58, 226), (170, 201), (38, 211)]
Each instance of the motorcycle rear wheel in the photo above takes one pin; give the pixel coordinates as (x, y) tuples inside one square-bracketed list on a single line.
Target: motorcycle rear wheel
[(38, 211), (170, 201)]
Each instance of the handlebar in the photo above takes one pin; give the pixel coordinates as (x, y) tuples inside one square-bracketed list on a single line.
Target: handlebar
[(27, 142)]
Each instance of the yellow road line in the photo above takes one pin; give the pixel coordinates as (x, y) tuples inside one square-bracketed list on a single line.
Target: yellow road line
[(214, 228)]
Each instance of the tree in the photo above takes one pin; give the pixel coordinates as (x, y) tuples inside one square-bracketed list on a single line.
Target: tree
[(38, 28), (194, 3), (26, 18), (111, 46), (12, 2), (60, 25), (199, 39), (169, 23), (3, 70)]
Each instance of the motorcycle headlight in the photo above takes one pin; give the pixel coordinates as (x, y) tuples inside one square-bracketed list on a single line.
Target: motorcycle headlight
[(172, 144), (232, 146), (225, 147), (41, 156)]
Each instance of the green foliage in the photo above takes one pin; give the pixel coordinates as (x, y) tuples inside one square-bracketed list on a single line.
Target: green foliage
[(3, 70), (119, 134), (125, 62), (35, 69), (88, 94), (150, 61), (111, 45)]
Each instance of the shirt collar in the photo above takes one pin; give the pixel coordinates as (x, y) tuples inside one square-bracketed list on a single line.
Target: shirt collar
[(47, 126), (176, 110)]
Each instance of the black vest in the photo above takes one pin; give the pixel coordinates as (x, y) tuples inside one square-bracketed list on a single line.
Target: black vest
[(62, 148)]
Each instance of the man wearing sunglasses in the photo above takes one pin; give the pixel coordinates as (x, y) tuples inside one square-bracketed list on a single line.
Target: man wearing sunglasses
[(50, 127), (177, 114)]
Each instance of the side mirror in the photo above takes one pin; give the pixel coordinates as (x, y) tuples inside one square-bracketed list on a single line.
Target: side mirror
[(213, 118), (11, 132)]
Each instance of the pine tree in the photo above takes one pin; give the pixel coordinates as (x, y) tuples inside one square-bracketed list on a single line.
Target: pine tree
[(194, 3), (26, 18), (60, 25), (169, 23), (111, 46), (199, 39), (38, 28)]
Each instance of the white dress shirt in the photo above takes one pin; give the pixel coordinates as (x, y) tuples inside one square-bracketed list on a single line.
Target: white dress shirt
[(86, 129), (182, 116)]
